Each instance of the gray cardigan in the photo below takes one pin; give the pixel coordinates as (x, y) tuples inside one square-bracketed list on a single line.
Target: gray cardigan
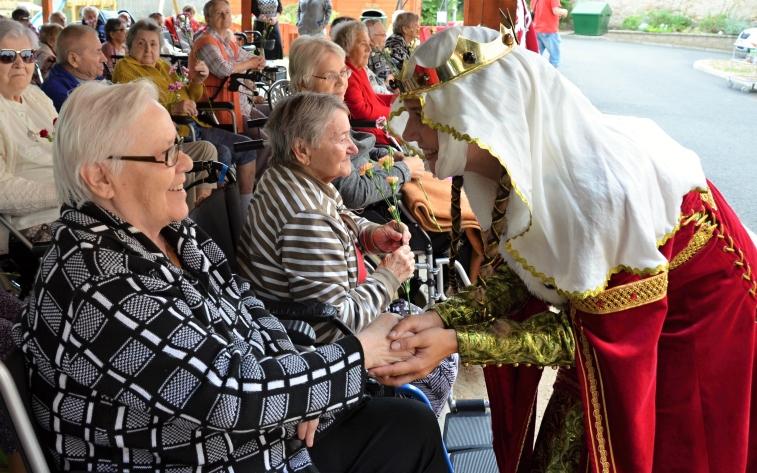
[(358, 191)]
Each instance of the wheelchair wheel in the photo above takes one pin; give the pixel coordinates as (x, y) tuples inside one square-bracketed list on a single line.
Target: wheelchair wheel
[(277, 91)]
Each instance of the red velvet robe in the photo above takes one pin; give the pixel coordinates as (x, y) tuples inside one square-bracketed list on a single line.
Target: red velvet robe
[(665, 363)]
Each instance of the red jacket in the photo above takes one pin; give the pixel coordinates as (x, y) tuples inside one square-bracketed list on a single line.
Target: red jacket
[(365, 104)]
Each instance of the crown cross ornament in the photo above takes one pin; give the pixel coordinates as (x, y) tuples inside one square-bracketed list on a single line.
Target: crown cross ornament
[(468, 56)]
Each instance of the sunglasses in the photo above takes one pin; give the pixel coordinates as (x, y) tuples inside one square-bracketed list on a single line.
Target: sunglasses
[(8, 56), (170, 156)]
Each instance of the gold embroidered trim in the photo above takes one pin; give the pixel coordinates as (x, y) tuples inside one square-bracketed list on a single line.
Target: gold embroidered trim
[(625, 297), (707, 198), (598, 438), (697, 242), (730, 247)]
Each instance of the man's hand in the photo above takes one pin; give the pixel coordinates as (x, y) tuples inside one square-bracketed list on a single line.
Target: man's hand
[(306, 431), (199, 73), (430, 346), (415, 324)]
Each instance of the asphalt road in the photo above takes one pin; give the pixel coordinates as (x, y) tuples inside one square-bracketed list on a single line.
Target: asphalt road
[(695, 108)]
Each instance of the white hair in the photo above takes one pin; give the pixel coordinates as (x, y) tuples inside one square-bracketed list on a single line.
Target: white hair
[(304, 55), (91, 127), (345, 34), (89, 9), (14, 29)]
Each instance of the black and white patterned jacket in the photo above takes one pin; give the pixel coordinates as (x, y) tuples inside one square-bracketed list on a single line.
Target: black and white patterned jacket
[(138, 365)]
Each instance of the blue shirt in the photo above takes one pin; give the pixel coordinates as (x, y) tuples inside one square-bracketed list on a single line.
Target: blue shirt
[(59, 84)]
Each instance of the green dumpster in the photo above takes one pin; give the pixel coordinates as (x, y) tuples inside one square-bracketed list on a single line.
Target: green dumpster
[(591, 18)]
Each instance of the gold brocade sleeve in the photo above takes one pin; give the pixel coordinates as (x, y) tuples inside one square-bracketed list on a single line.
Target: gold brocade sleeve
[(486, 336), (544, 339), (502, 294)]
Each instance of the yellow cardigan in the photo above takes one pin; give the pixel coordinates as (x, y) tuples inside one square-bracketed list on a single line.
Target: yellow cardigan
[(129, 69)]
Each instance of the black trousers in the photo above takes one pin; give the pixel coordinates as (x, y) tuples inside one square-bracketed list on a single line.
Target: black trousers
[(385, 435)]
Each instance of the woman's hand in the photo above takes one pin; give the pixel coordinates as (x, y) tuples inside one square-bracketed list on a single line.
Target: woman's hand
[(376, 345), (430, 347), (185, 107), (416, 166), (256, 62), (306, 431), (389, 237), (199, 73), (401, 262)]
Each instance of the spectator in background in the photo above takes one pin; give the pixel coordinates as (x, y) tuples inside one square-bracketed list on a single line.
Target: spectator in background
[(363, 102), (313, 17), (92, 17), (405, 31), (378, 63), (44, 56), (166, 40), (336, 21), (79, 58), (22, 15), (115, 31), (547, 14), (59, 18), (126, 18), (190, 12), (267, 24)]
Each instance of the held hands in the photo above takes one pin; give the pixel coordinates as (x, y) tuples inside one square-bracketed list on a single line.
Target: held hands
[(416, 166), (376, 343), (306, 431), (425, 337)]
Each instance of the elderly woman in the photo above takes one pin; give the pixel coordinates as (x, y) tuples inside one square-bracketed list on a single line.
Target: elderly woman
[(115, 31), (363, 102), (44, 56), (217, 48), (317, 65), (299, 241), (404, 32), (93, 18), (177, 346), (143, 43), (27, 188)]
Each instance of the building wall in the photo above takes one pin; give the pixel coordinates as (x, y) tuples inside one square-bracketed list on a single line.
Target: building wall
[(621, 9)]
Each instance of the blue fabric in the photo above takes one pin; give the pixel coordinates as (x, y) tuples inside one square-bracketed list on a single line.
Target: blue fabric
[(550, 42), (59, 84), (100, 27)]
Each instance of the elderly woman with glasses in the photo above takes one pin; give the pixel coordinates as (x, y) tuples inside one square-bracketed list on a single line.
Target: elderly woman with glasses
[(184, 369), (27, 116), (363, 102), (115, 31), (143, 61)]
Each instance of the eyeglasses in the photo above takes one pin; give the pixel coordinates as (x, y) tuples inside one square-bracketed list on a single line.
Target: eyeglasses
[(344, 74), (8, 56), (170, 158)]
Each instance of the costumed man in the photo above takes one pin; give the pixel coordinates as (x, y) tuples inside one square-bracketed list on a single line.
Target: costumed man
[(610, 220)]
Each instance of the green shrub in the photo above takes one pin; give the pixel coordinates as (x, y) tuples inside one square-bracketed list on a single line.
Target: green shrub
[(665, 21), (712, 23), (735, 25), (632, 22)]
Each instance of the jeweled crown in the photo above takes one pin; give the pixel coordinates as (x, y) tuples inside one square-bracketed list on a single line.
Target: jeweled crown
[(468, 56)]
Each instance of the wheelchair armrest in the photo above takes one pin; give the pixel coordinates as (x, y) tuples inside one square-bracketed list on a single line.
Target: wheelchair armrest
[(257, 122), (215, 106), (309, 311), (182, 119), (242, 146)]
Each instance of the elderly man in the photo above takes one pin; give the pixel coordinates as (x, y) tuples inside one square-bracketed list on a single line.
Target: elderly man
[(611, 220), (79, 58)]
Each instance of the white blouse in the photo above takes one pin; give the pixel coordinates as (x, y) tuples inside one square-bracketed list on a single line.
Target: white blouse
[(27, 186)]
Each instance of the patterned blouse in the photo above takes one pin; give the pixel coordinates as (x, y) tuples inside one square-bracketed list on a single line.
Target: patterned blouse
[(139, 365), (399, 50)]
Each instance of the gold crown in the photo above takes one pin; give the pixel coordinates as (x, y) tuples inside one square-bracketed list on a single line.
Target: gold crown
[(468, 56)]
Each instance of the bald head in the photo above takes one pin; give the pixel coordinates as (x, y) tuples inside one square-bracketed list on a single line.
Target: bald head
[(70, 40)]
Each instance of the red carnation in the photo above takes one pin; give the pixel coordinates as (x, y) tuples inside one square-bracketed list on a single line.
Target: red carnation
[(44, 133)]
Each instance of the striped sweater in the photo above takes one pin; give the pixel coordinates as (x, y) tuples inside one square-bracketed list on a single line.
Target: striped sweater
[(298, 243)]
